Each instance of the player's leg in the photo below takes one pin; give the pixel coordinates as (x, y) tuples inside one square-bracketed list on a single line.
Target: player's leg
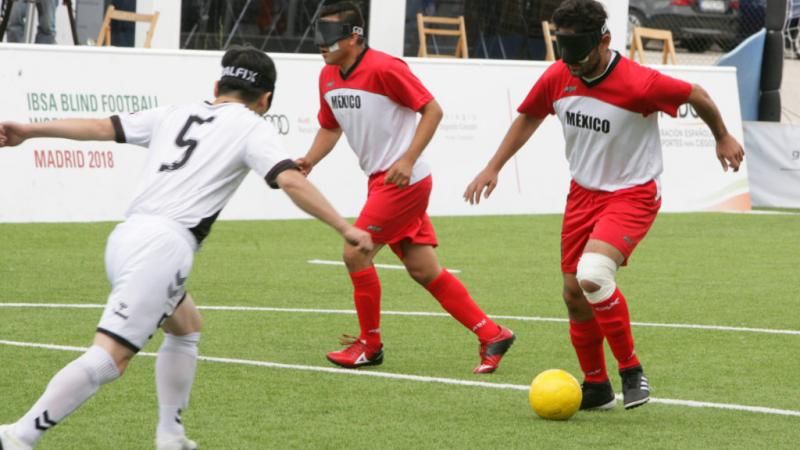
[(621, 225), (596, 275), (585, 334), (597, 278), (366, 292), (367, 348), (149, 261), (423, 266), (379, 217), (176, 363), (105, 360), (77, 382), (587, 340), (144, 263)]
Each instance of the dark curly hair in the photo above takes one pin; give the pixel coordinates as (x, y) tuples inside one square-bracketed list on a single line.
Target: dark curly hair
[(347, 12), (580, 15)]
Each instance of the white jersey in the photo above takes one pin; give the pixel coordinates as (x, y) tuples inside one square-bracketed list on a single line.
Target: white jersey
[(199, 155)]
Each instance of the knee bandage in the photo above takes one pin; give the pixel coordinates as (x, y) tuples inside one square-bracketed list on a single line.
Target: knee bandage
[(600, 270)]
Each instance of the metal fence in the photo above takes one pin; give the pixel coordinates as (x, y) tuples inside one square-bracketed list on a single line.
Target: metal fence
[(270, 25), (498, 29), (703, 30)]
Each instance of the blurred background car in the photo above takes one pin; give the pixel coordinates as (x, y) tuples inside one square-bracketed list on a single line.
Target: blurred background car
[(698, 24), (751, 19), (695, 24)]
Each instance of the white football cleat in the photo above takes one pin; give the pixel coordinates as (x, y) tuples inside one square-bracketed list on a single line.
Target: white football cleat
[(175, 443), (10, 442)]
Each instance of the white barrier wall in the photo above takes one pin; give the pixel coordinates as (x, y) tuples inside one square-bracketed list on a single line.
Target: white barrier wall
[(774, 153), (58, 180)]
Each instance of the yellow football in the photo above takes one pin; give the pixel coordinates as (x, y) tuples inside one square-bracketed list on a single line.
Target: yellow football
[(555, 395)]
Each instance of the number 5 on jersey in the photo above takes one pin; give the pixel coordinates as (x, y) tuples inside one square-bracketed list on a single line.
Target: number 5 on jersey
[(181, 141)]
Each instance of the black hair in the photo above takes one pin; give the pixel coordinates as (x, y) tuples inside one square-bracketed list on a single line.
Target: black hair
[(347, 12), (255, 61), (581, 15)]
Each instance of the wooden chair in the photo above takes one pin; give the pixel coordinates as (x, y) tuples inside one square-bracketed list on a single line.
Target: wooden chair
[(113, 14), (547, 30), (654, 34), (424, 32)]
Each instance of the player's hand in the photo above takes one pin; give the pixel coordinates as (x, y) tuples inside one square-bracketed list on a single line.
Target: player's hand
[(359, 239), (484, 183), (304, 165), (730, 153), (399, 173), (12, 134)]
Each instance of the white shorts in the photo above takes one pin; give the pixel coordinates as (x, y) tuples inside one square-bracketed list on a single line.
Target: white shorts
[(148, 260)]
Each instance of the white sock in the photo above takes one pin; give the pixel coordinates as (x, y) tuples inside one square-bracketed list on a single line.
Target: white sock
[(175, 367), (68, 389)]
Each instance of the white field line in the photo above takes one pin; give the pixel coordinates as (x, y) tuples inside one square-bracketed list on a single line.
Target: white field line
[(380, 266), (765, 212), (417, 314), (417, 378)]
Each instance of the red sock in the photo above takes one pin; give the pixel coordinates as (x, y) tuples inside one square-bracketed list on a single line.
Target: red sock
[(587, 338), (367, 296), (612, 316), (455, 299)]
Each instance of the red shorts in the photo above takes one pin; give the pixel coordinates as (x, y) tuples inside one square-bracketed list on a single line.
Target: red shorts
[(392, 215), (620, 218)]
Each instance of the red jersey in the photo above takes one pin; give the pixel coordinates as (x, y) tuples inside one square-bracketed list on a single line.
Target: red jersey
[(611, 131), (375, 103)]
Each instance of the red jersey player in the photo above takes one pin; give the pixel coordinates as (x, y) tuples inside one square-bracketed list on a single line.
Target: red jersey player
[(608, 106), (374, 99)]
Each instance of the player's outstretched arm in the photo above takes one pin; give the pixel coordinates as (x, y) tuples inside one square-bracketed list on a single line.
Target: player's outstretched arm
[(12, 133), (324, 142), (518, 134), (729, 151), (310, 200)]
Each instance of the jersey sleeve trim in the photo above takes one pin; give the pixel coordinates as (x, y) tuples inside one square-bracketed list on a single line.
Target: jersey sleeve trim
[(272, 175), (422, 101), (119, 132)]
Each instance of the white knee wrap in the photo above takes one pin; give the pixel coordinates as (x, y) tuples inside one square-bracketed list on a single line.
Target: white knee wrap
[(600, 270)]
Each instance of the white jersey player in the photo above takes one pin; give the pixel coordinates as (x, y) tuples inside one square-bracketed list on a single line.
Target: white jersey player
[(199, 154)]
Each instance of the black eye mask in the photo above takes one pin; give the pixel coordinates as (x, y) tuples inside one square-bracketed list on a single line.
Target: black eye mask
[(576, 47), (327, 33)]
